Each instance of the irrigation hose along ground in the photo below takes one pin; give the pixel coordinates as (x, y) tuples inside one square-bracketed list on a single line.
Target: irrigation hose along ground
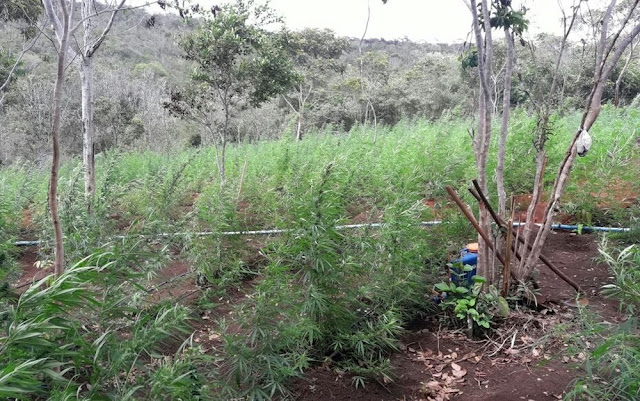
[(565, 227)]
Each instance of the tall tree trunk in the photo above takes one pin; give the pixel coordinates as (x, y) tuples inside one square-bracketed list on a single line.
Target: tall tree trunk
[(504, 129), (223, 151), (223, 156), (299, 129), (86, 79), (88, 127), (482, 139), (91, 44), (301, 102), (58, 264)]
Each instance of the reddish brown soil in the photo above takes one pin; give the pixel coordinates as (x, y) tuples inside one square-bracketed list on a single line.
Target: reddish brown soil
[(30, 272), (175, 282), (616, 194), (522, 204), (533, 370)]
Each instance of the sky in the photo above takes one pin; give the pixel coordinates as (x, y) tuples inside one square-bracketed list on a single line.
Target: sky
[(431, 21)]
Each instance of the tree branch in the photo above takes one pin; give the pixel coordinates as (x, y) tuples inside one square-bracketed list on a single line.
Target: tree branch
[(600, 59), (17, 62), (110, 10), (49, 9), (96, 44)]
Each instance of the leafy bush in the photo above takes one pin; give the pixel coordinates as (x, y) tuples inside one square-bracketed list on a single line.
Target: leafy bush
[(471, 305)]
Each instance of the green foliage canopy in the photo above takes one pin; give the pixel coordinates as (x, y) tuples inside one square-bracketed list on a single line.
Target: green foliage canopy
[(20, 10), (236, 58)]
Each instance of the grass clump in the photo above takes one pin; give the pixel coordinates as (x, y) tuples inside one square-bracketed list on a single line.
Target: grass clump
[(612, 367)]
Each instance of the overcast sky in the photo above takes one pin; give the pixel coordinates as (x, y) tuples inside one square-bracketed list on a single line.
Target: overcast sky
[(419, 20)]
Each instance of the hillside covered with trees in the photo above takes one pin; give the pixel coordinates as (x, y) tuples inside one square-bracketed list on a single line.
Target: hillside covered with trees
[(345, 81)]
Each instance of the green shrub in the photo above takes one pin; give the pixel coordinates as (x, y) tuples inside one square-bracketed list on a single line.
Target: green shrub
[(612, 367)]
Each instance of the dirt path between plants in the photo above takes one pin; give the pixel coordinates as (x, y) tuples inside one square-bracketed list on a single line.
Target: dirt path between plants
[(527, 361)]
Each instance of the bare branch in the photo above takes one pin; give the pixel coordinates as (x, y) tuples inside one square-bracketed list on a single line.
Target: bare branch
[(52, 15), (17, 62), (563, 45), (625, 43), (289, 103), (110, 10), (480, 49), (96, 44), (600, 59)]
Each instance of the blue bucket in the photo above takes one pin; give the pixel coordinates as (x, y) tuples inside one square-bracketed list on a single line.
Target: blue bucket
[(458, 275)]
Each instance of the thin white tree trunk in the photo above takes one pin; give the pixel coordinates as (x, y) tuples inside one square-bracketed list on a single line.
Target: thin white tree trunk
[(88, 127), (299, 129), (301, 102), (504, 129), (86, 71)]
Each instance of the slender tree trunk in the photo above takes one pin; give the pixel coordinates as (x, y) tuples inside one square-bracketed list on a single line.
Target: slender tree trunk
[(58, 264), (223, 150), (91, 44), (482, 139), (541, 156), (504, 129), (88, 127), (223, 156), (300, 111), (299, 129)]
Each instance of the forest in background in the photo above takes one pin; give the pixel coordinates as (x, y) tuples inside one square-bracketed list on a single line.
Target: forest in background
[(141, 65)]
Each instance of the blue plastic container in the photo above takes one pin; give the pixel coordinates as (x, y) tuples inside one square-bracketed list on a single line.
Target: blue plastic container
[(458, 275)]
